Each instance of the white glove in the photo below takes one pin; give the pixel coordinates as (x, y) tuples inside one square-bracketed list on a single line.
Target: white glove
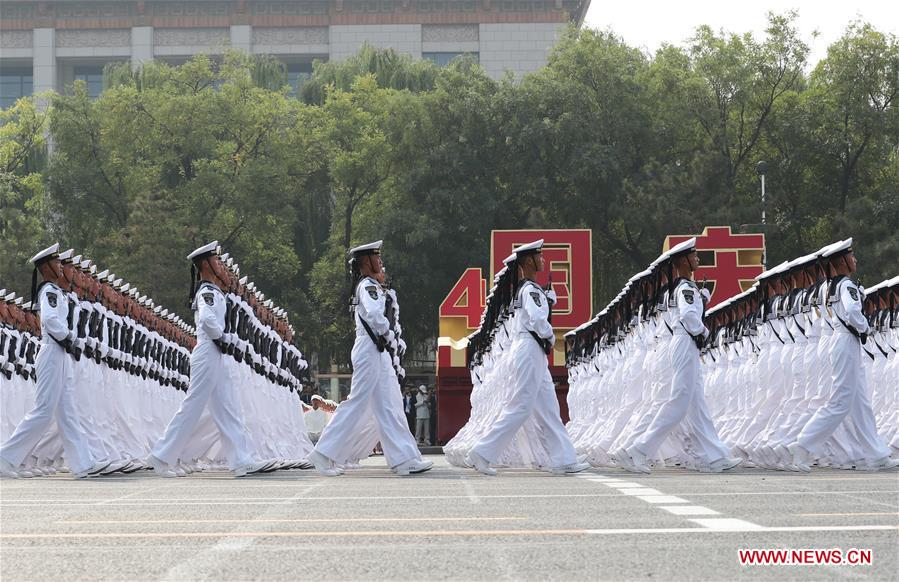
[(551, 297)]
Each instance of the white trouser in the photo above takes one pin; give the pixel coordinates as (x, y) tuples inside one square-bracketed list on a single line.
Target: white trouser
[(848, 398), (532, 394), (207, 375), (53, 399), (686, 402), (374, 392), (422, 429)]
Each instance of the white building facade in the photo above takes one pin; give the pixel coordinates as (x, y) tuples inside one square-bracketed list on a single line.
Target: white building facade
[(47, 45)]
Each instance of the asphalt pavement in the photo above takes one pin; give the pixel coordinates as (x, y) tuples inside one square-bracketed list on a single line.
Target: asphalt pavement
[(447, 524)]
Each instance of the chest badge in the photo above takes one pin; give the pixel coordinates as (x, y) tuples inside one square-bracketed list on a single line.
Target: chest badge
[(372, 292), (688, 296), (536, 297), (853, 292), (51, 299), (209, 298)]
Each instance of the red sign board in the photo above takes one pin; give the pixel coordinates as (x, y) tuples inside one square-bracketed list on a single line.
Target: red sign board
[(568, 264), (729, 262), (568, 261)]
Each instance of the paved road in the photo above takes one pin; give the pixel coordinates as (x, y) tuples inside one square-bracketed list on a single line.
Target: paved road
[(446, 524)]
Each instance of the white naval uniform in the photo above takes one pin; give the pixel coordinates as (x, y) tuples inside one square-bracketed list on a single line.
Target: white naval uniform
[(686, 400), (533, 394), (374, 393), (207, 375), (54, 390), (849, 396)]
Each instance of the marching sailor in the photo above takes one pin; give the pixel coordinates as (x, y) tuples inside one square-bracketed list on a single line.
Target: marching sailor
[(849, 397), (375, 390), (209, 381), (533, 392), (686, 401), (55, 380)]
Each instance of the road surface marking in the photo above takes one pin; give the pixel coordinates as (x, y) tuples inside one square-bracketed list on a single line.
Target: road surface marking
[(723, 528), (689, 510), (726, 523), (310, 520)]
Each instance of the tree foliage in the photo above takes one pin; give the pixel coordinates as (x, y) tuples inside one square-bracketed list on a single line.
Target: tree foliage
[(381, 146)]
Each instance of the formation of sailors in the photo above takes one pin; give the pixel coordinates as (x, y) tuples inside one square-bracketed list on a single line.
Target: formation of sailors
[(801, 368), (774, 376), (242, 411), (117, 367), (514, 419)]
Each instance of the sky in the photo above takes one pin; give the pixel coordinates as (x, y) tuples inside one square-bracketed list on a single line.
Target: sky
[(650, 23)]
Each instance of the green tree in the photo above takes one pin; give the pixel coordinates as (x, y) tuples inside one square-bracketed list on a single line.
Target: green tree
[(22, 216)]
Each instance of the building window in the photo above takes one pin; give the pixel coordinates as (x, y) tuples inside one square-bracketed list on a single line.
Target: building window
[(297, 74), (15, 83), (92, 77), (443, 59)]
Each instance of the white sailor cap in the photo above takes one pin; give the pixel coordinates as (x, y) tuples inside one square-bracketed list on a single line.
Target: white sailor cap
[(509, 259), (18, 301), (10, 297), (688, 246), (802, 261), (76, 260), (893, 282), (640, 275), (207, 249), (243, 280), (85, 264), (844, 246), (26, 306), (66, 255), (125, 288), (872, 290), (229, 263), (117, 284), (142, 299), (103, 274), (2, 293), (134, 292), (164, 312), (659, 259), (373, 248), (773, 271), (531, 247), (251, 286), (158, 310), (261, 296), (93, 270), (225, 257), (111, 278), (45, 255), (269, 303)]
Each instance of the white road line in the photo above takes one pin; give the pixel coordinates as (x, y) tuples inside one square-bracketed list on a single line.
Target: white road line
[(209, 558), (140, 492), (167, 500), (659, 499), (726, 523), (469, 490), (277, 520), (419, 534), (691, 494), (689, 510), (624, 484), (644, 491)]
